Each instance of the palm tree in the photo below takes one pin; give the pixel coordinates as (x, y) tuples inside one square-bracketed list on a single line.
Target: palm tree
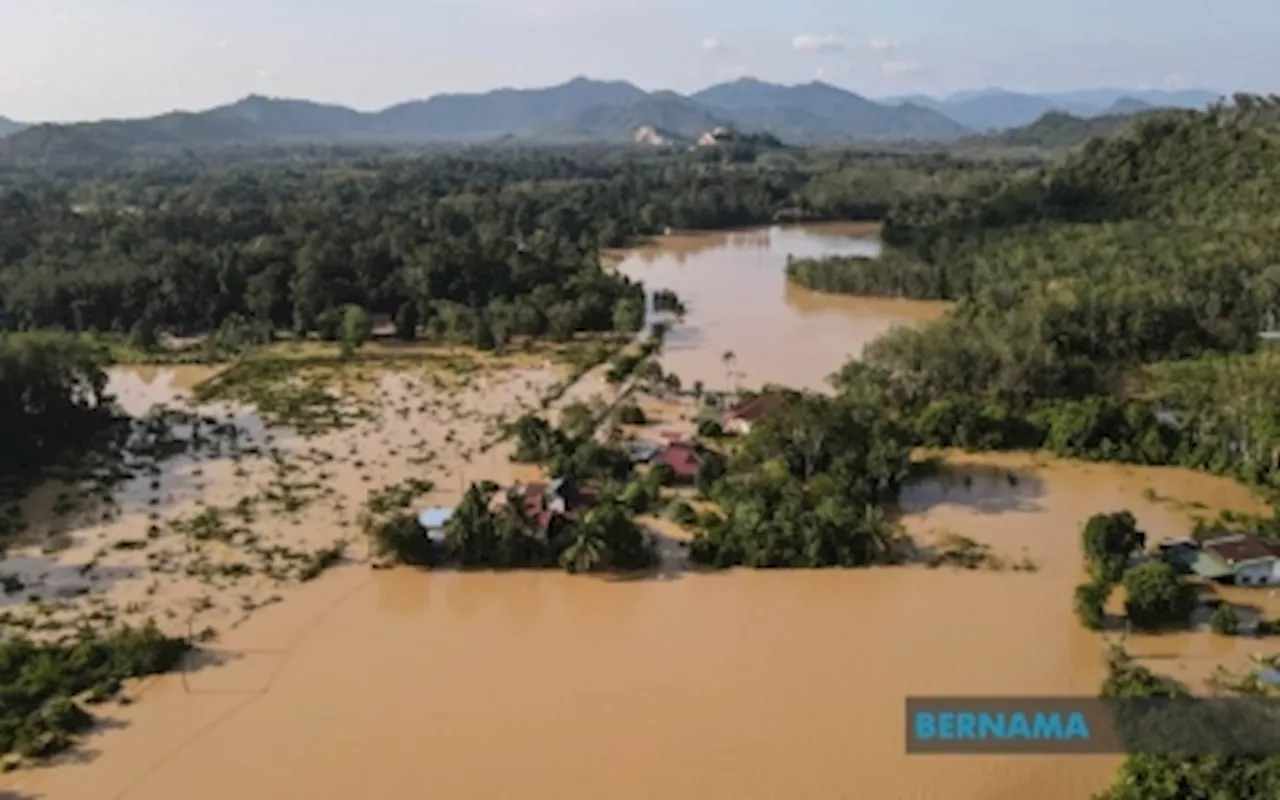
[(881, 533), (728, 359), (587, 549)]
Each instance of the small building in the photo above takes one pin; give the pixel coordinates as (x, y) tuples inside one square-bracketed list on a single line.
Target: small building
[(433, 522), (643, 451), (742, 417), (544, 502), (684, 459), (1253, 561)]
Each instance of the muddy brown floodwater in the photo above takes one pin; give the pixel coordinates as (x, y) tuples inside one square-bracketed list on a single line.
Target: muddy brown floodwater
[(741, 685), (734, 285)]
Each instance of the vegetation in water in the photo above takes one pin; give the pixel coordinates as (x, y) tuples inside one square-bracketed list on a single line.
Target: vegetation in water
[(805, 488), (43, 686)]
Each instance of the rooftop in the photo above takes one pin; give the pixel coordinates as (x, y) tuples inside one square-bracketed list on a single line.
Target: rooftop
[(755, 408), (1240, 548), (683, 458), (435, 517)]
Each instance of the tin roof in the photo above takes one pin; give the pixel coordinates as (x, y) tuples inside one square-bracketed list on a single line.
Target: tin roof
[(435, 517), (1236, 549), (1210, 566)]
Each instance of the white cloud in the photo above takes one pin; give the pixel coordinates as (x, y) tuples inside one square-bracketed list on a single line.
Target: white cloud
[(899, 67), (883, 43), (713, 45), (221, 44), (1174, 81), (817, 43)]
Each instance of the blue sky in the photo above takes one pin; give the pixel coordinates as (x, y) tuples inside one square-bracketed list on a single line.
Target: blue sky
[(88, 59)]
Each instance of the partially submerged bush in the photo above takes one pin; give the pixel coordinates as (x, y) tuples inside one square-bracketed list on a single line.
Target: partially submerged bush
[(38, 715)]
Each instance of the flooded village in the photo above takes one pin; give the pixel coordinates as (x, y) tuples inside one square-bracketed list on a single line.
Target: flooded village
[(318, 675)]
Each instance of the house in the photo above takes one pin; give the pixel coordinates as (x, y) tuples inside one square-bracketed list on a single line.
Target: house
[(743, 416), (433, 521), (543, 502), (1253, 561), (684, 459)]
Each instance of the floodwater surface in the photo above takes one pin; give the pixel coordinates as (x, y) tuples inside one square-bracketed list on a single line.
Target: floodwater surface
[(734, 285), (739, 685)]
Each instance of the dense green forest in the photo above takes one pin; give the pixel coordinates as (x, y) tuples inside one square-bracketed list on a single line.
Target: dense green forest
[(806, 489), (1104, 302), (446, 245)]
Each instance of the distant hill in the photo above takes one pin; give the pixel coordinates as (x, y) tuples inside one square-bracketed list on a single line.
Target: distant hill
[(996, 109), (1127, 105), (820, 112), (503, 111), (675, 115), (580, 110), (1057, 131), (8, 126)]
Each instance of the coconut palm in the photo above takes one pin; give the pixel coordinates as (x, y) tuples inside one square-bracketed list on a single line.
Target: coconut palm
[(881, 533), (586, 551), (728, 359)]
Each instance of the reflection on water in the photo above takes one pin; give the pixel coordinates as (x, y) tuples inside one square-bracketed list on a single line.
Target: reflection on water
[(739, 300)]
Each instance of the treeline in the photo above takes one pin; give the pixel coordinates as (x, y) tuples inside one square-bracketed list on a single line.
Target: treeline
[(1146, 776), (806, 487), (468, 246), (1102, 302), (51, 404)]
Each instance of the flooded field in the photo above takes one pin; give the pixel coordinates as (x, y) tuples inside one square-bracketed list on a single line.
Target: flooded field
[(743, 685), (739, 302)]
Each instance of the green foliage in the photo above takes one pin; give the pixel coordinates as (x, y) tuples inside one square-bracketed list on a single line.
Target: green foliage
[(1157, 596), (1152, 777), (38, 716), (52, 402), (1109, 541), (1109, 304), (710, 428), (357, 328), (804, 489), (1090, 603), (632, 414), (681, 512), (1225, 620), (401, 539)]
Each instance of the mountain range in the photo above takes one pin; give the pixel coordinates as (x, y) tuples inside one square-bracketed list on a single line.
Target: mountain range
[(583, 110), (996, 109)]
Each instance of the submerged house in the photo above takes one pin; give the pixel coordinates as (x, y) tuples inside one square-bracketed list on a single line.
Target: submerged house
[(544, 502), (1253, 561), (1242, 559), (743, 416)]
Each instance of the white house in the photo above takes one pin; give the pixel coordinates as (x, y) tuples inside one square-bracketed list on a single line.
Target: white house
[(1253, 561)]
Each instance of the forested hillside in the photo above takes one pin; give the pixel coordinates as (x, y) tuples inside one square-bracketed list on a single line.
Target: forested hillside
[(507, 241), (1161, 244)]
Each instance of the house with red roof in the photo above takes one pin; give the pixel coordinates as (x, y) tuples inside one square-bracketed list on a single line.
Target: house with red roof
[(543, 502), (684, 459)]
